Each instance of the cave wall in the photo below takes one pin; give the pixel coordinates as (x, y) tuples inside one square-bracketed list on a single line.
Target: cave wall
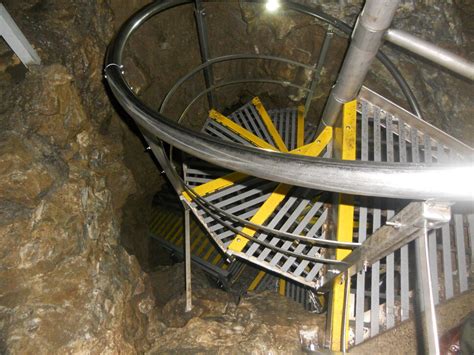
[(75, 181), (66, 283)]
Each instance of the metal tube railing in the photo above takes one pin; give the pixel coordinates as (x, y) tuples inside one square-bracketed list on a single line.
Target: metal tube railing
[(360, 178), (431, 52), (204, 48)]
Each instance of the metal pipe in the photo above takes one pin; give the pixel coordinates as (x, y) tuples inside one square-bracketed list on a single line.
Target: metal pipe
[(431, 52), (367, 38), (413, 181), (360, 178), (204, 48), (319, 67), (187, 257), (426, 287)]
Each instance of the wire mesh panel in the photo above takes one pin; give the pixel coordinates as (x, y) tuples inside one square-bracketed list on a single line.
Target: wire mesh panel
[(382, 296)]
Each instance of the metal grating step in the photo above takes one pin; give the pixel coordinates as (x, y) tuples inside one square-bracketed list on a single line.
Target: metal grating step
[(166, 227), (375, 308), (301, 211)]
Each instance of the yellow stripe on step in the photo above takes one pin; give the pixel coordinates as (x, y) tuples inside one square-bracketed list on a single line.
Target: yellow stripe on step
[(282, 287), (236, 128), (230, 179), (269, 124), (346, 142), (256, 281), (264, 212), (279, 194), (300, 127), (217, 184)]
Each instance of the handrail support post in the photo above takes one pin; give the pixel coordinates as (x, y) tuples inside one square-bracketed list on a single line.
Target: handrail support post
[(203, 37), (316, 77)]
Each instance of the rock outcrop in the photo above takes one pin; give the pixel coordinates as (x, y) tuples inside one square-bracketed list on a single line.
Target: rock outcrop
[(66, 283)]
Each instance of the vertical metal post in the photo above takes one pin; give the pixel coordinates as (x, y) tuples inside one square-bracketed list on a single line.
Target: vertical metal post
[(345, 149), (203, 37), (426, 287), (168, 169), (187, 257), (319, 68)]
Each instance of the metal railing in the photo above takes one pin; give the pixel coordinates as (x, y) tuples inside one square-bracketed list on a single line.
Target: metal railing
[(387, 180), (422, 181)]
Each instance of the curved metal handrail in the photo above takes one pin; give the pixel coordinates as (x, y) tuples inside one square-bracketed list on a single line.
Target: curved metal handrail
[(332, 21), (226, 58), (414, 181), (236, 82)]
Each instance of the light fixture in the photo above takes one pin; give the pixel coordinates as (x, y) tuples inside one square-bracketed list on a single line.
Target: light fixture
[(272, 5)]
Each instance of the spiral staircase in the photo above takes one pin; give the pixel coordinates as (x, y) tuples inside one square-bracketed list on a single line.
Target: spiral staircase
[(308, 212)]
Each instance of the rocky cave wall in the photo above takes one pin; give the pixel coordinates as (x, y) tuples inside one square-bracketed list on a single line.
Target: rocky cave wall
[(66, 283), (75, 184)]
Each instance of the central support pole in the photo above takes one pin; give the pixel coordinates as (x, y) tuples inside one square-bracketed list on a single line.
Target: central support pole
[(367, 38)]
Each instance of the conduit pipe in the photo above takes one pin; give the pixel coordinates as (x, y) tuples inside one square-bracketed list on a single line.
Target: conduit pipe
[(367, 38), (431, 52)]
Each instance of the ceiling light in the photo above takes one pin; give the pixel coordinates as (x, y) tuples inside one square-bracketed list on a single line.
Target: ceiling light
[(272, 5)]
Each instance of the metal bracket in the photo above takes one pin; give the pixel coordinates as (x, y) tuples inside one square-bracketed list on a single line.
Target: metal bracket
[(436, 213), (400, 230), (16, 39)]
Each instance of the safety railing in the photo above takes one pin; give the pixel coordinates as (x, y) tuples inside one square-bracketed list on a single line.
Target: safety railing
[(348, 177), (421, 181)]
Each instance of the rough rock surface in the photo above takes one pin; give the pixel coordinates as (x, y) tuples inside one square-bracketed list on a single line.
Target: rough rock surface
[(68, 202), (66, 285), (263, 323)]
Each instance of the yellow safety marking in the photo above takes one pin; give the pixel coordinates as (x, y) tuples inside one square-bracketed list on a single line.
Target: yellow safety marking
[(196, 241), (300, 127), (236, 128), (345, 225), (209, 253), (232, 178), (282, 287), (256, 281), (176, 234), (158, 217), (315, 148), (269, 124), (217, 184), (217, 259), (264, 212), (203, 245), (156, 221), (278, 195), (171, 223), (168, 226), (170, 216)]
